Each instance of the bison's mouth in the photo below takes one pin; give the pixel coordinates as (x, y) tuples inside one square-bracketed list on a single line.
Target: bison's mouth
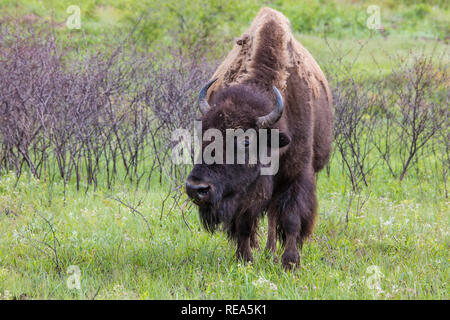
[(218, 211), (200, 201)]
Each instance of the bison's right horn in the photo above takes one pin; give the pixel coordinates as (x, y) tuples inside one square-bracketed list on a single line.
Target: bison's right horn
[(202, 101), (270, 119)]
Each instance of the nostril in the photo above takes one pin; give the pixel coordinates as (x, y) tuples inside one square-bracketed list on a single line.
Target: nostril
[(197, 191), (203, 191)]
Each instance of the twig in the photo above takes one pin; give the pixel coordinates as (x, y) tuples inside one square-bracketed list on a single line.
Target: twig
[(134, 210)]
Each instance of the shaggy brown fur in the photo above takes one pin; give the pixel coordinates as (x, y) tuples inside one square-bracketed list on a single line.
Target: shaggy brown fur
[(268, 55)]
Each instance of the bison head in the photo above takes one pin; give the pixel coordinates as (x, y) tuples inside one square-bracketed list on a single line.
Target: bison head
[(223, 189)]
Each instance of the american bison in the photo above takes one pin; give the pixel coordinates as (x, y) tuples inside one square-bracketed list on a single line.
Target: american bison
[(268, 80)]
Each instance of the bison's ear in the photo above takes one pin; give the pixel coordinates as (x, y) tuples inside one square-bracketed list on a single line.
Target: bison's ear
[(284, 139)]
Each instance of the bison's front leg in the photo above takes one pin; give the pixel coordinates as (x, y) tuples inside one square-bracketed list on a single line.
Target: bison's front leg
[(297, 218), (245, 234), (243, 249)]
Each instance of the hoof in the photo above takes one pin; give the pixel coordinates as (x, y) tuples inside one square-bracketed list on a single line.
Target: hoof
[(254, 243), (244, 257), (290, 261)]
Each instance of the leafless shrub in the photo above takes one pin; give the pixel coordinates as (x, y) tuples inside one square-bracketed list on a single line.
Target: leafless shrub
[(174, 102), (91, 118), (397, 116), (355, 117), (414, 101), (355, 127), (444, 154)]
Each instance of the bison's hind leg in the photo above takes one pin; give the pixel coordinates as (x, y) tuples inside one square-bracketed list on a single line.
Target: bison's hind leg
[(254, 239), (271, 244)]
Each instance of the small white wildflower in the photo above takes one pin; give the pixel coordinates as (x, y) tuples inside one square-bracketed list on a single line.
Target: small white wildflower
[(264, 283), (7, 295), (16, 235)]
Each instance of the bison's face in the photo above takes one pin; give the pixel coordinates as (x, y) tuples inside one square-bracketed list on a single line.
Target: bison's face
[(223, 187)]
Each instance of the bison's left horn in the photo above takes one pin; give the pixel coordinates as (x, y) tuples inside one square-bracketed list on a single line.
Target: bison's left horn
[(202, 101), (270, 119)]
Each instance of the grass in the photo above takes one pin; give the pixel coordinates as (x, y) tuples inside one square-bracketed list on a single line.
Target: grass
[(307, 15), (408, 28), (402, 230), (190, 22), (373, 56)]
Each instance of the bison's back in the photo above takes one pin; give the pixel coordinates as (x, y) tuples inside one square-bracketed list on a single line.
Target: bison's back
[(268, 54), (321, 104)]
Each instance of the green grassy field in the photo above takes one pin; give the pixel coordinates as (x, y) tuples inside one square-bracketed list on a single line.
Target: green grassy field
[(402, 230), (394, 246)]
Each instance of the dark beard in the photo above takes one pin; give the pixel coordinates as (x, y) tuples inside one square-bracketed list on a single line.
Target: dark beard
[(223, 211)]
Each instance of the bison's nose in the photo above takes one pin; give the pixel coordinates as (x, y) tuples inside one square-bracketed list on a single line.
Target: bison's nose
[(199, 192)]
